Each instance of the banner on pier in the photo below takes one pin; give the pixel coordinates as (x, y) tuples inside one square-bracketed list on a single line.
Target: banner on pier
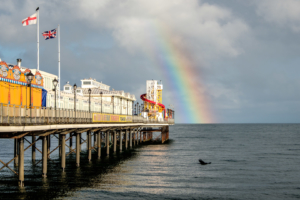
[(98, 117)]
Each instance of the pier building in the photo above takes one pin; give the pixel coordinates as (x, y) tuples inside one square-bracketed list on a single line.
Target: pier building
[(102, 114)]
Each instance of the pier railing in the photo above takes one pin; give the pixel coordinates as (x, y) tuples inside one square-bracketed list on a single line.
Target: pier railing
[(24, 115)]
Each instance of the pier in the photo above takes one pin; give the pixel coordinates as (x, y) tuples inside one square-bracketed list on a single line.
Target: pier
[(33, 109), (27, 126)]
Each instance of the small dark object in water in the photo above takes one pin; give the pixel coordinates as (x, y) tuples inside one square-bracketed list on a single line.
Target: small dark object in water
[(203, 163)]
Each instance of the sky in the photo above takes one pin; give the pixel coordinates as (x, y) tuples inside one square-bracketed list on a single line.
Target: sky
[(230, 61)]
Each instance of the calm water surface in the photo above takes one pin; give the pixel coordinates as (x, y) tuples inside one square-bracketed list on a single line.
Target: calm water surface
[(249, 161)]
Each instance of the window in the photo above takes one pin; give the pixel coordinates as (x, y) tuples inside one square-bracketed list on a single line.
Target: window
[(67, 88), (86, 82), (78, 91)]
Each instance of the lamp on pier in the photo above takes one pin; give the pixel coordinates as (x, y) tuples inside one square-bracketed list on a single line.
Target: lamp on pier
[(75, 87), (55, 82), (89, 99), (101, 93), (29, 79), (137, 107), (113, 99), (132, 108)]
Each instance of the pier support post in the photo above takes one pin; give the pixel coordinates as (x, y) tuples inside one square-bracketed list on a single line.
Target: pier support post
[(33, 149), (16, 151), (21, 162), (45, 157), (121, 140), (99, 144), (49, 145), (130, 138), (78, 145), (115, 141), (63, 152), (107, 142), (164, 134), (89, 145), (126, 139)]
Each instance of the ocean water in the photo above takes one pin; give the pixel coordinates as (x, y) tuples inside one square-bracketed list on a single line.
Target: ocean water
[(248, 161)]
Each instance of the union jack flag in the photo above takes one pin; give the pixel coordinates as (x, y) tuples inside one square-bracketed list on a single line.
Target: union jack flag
[(49, 34)]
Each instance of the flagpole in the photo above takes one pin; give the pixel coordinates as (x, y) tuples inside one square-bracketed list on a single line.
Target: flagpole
[(58, 29), (37, 35)]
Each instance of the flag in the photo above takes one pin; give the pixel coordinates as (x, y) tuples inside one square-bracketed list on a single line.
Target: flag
[(49, 34), (30, 20)]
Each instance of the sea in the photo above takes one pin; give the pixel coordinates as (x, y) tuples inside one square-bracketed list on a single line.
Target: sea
[(248, 161)]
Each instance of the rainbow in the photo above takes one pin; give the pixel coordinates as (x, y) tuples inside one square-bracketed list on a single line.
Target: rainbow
[(183, 76)]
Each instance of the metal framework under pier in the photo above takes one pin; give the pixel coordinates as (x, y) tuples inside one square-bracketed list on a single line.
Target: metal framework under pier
[(123, 136)]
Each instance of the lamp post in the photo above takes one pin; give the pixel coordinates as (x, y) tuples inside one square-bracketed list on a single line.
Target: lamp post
[(29, 79), (89, 99), (55, 82), (113, 99), (137, 108), (132, 108), (101, 93), (127, 106), (75, 87)]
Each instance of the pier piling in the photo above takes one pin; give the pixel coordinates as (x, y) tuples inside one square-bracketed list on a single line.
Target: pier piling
[(126, 139), (63, 152), (130, 138), (21, 161), (16, 151), (44, 156), (115, 141), (121, 139), (89, 145), (49, 145), (78, 138), (107, 143), (99, 144)]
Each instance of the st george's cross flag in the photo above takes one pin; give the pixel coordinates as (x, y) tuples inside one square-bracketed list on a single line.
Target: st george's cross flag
[(30, 20), (49, 34)]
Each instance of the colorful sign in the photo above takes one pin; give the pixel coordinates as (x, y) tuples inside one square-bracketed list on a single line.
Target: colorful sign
[(15, 75), (98, 117)]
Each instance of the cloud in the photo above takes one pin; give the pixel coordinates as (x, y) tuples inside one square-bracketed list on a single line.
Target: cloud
[(134, 23), (283, 13)]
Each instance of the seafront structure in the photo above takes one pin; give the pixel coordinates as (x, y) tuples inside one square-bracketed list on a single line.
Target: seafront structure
[(30, 111), (100, 95)]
